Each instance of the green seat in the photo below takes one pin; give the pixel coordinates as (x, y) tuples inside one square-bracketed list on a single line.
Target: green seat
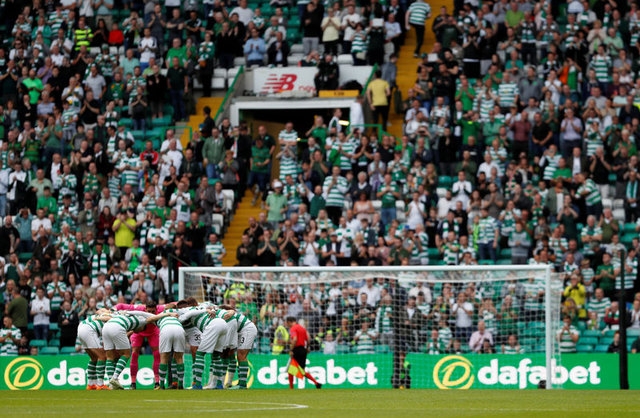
[(53, 326), (627, 239), (486, 262), (538, 349), (162, 122), (127, 122), (382, 349), (436, 262), (433, 253), (138, 135), (588, 340), (590, 333), (445, 181), (52, 351), (601, 348), (68, 350), (38, 343), (54, 343), (24, 257), (343, 349), (633, 333), (612, 178), (630, 228), (584, 348), (505, 253), (605, 341), (504, 262), (138, 146)]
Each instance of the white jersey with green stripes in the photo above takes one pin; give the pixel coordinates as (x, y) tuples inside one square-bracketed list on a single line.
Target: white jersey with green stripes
[(130, 320), (169, 320), (94, 323)]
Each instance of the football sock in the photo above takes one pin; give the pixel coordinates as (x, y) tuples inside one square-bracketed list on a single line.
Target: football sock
[(243, 372), (162, 372), (156, 364), (290, 381), (133, 367), (308, 376), (100, 364), (110, 368), (180, 373), (198, 367), (122, 363), (91, 372)]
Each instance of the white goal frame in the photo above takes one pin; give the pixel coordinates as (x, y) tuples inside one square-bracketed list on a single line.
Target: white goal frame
[(545, 270)]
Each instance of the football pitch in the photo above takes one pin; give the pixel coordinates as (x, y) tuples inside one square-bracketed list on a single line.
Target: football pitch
[(323, 403)]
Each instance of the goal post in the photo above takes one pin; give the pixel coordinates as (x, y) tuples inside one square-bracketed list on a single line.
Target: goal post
[(417, 316)]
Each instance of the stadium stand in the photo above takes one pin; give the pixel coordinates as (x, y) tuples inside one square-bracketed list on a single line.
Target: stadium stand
[(513, 140)]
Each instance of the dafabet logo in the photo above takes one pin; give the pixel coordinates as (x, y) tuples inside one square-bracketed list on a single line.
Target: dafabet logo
[(24, 373), (453, 372)]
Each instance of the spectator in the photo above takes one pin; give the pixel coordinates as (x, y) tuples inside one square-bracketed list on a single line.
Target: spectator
[(10, 337), (568, 336)]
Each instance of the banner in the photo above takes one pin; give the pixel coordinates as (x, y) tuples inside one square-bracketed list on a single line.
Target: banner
[(577, 371), (284, 81)]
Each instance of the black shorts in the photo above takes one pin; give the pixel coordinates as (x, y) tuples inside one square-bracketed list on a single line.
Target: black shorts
[(300, 355)]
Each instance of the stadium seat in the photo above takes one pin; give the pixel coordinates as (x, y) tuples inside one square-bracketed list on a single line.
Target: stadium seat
[(609, 333), (238, 61), (584, 348), (588, 340), (630, 228), (590, 333), (49, 351), (24, 257), (605, 341), (505, 253), (382, 349), (218, 83), (345, 59), (607, 203), (504, 262), (68, 350), (400, 211), (53, 327), (38, 343), (343, 349), (618, 203), (220, 72), (377, 205), (433, 253), (126, 122), (162, 122), (232, 73), (633, 332), (54, 343), (601, 348), (619, 215), (445, 181)]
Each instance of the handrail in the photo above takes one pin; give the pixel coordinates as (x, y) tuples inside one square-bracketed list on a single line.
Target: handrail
[(227, 96)]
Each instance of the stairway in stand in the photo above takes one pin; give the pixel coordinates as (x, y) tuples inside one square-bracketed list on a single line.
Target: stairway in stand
[(195, 120), (240, 222), (407, 64)]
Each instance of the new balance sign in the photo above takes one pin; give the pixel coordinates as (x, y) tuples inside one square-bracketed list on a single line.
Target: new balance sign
[(284, 80)]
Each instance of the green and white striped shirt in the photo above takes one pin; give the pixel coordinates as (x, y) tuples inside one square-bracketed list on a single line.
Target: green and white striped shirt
[(601, 64), (215, 251), (129, 176), (507, 93), (130, 321), (8, 347), (566, 343), (55, 297), (334, 194), (598, 306), (169, 320), (593, 197), (418, 12), (486, 230), (364, 345), (94, 323)]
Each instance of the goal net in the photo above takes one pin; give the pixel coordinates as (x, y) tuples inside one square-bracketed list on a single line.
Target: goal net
[(448, 327)]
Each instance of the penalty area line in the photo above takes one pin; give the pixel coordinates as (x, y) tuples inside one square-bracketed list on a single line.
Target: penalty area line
[(269, 406)]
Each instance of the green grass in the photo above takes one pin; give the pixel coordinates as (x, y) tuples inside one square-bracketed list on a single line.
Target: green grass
[(324, 403)]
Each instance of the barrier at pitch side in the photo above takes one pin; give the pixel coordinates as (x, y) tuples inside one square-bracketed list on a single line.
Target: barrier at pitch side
[(577, 371)]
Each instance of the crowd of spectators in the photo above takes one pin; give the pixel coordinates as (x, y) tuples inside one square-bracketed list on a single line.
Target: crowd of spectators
[(519, 145)]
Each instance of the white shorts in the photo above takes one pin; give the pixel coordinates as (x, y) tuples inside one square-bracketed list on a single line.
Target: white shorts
[(172, 339), (232, 335), (114, 337), (247, 336), (88, 337), (192, 336), (214, 336)]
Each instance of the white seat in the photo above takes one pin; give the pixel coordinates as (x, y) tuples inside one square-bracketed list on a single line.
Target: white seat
[(196, 84), (238, 61), (619, 215), (441, 192), (345, 59), (229, 197), (292, 60), (377, 205), (113, 50), (347, 204), (121, 50), (607, 203), (618, 204), (297, 49), (218, 83), (400, 215), (94, 50), (231, 74), (217, 220), (220, 72)]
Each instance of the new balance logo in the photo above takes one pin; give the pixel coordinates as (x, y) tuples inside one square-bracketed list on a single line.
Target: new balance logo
[(275, 84)]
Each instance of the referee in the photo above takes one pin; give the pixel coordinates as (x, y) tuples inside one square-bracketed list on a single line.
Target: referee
[(416, 16), (299, 341)]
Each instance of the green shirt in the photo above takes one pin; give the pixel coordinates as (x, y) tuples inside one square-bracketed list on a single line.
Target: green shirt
[(276, 202), (259, 155)]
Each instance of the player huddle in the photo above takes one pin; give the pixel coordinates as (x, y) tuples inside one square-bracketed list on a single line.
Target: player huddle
[(108, 337)]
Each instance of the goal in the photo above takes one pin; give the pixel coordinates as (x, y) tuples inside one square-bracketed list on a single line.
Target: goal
[(447, 327)]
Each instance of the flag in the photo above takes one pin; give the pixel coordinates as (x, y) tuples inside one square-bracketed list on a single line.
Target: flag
[(294, 369)]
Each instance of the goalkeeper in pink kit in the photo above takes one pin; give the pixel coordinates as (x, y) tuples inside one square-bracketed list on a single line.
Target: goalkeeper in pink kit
[(152, 333)]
